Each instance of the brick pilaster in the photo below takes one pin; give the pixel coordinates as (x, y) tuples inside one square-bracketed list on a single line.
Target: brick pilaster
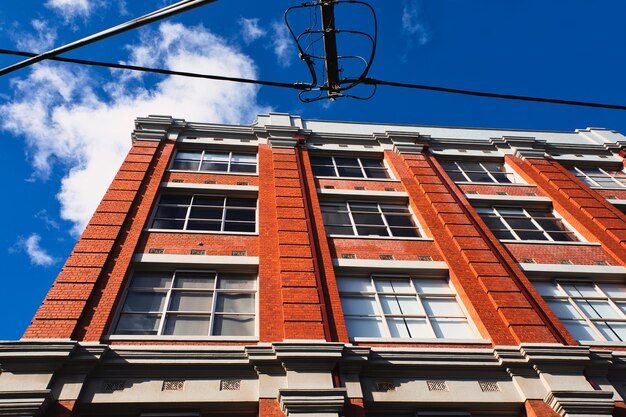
[(538, 408), (485, 277)]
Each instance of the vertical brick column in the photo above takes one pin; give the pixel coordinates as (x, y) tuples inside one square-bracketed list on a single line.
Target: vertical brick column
[(499, 298), (97, 255), (589, 212), (271, 323), (270, 408), (301, 301)]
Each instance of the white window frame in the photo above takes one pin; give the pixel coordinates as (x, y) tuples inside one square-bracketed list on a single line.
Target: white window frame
[(588, 179), (205, 151), (602, 296), (153, 217), (163, 313), (386, 225), (453, 295), (358, 158), (512, 176), (517, 238)]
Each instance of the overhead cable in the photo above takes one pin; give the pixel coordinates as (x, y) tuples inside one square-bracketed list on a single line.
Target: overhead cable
[(160, 70), (151, 17), (373, 81), (306, 86)]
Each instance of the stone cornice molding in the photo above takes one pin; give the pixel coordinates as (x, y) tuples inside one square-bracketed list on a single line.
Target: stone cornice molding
[(403, 142), (584, 403), (156, 128), (24, 403), (312, 401)]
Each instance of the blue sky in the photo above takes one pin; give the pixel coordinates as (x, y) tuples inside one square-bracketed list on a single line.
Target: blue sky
[(65, 128)]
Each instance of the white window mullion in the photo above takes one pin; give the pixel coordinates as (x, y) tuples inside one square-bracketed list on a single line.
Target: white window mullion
[(487, 171), (539, 227), (354, 229), (188, 211), (462, 171), (382, 214), (223, 224), (335, 166), (362, 168), (201, 161), (505, 223), (213, 304), (230, 159), (379, 307), (166, 304)]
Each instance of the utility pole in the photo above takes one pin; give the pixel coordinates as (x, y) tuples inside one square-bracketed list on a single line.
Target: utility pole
[(330, 47)]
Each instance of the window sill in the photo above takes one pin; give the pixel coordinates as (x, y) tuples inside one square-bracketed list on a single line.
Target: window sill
[(425, 239), (358, 179), (116, 337), (601, 343), (419, 340), (248, 174), (201, 232), (497, 184), (549, 242)]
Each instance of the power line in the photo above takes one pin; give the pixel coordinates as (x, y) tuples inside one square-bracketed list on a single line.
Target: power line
[(304, 86), (373, 81), (296, 86), (151, 17)]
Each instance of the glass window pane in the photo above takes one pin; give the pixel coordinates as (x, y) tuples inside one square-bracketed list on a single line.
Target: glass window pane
[(324, 171), (364, 326), (168, 224), (393, 209), (442, 307), (207, 200), (376, 173), (235, 303), (563, 309), (336, 218), (409, 328), (171, 212), (216, 156), (214, 166), (205, 213), (239, 227), (181, 325), (248, 168), (350, 172), (598, 309), (144, 301), (531, 235), (145, 324), (191, 301), (613, 331), (432, 286), (240, 202), (457, 176), (175, 200), (363, 207), (581, 289), (354, 306), (372, 163), (241, 215), (245, 158), (233, 325), (204, 225), (355, 285), (372, 231), (479, 177), (404, 232), (368, 219), (237, 281), (580, 330), (321, 160), (151, 279), (400, 220), (396, 285), (400, 305), (547, 288), (340, 230), (189, 155), (186, 165), (614, 290), (347, 162), (194, 280), (452, 328)]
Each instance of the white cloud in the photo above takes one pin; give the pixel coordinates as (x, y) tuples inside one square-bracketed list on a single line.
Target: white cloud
[(250, 29), (38, 256), (67, 120), (282, 43), (412, 24), (71, 8), (42, 41)]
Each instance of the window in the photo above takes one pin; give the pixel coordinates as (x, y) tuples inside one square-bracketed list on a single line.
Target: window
[(206, 213), (601, 178), (335, 166), (590, 311), (518, 223), (215, 161), (368, 219), (403, 307), (478, 172), (189, 303)]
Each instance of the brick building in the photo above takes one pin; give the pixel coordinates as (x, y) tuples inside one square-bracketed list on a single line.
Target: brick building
[(309, 268)]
